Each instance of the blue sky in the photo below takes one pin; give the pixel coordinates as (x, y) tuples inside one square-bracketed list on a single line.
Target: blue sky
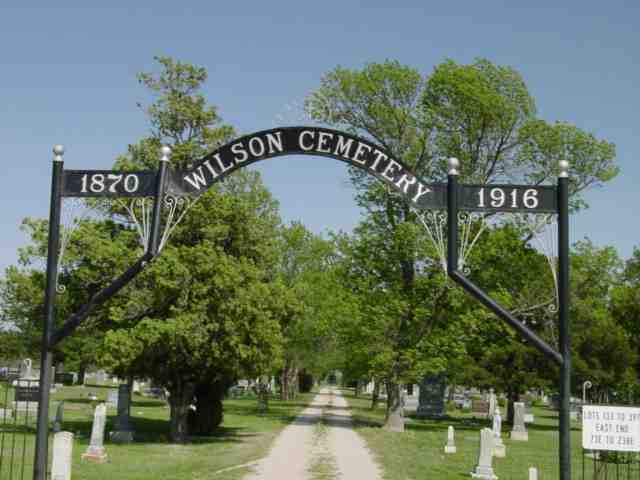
[(68, 76)]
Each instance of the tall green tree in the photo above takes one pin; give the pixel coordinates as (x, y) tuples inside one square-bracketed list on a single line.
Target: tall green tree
[(483, 114), (306, 267), (206, 311)]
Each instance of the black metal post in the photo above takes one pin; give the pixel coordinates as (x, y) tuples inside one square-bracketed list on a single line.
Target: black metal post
[(42, 433), (154, 237), (452, 217), (563, 317)]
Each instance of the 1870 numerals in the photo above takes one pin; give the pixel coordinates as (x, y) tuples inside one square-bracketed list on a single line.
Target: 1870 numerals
[(498, 197), (112, 183)]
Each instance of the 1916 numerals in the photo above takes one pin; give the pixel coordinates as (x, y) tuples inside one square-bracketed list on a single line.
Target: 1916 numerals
[(498, 197), (112, 183)]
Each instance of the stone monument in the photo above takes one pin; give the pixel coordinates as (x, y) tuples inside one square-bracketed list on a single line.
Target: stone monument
[(431, 399), (484, 470), (27, 389), (59, 418), (62, 453), (112, 398), (95, 451), (519, 432), (533, 473), (450, 447), (123, 433), (26, 370), (499, 450), (492, 403), (6, 415)]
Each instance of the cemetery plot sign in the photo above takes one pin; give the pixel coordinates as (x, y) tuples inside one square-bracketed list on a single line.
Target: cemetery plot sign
[(611, 428)]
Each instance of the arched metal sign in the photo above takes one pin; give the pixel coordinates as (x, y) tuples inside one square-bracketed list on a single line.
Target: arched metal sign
[(354, 151), (323, 142)]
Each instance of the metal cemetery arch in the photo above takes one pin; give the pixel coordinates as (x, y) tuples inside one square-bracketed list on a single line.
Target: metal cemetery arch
[(355, 151)]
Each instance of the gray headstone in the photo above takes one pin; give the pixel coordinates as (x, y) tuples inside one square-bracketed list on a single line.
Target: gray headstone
[(450, 447), (62, 454), (519, 431), (484, 469), (95, 451), (480, 408), (431, 399), (123, 433), (59, 418)]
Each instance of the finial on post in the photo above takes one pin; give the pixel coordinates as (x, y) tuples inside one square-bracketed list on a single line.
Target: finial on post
[(58, 152), (564, 168), (454, 164), (165, 153)]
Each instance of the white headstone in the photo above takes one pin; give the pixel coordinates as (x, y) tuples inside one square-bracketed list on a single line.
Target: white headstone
[(62, 454), (484, 470), (492, 402), (499, 450), (519, 432), (136, 386), (6, 414), (450, 447), (533, 473), (95, 451), (112, 398), (101, 377), (26, 370)]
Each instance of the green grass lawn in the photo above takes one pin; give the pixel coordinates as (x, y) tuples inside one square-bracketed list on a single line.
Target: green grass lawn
[(245, 436), (419, 454)]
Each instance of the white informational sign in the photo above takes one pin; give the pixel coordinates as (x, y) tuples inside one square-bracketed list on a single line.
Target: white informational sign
[(611, 428)]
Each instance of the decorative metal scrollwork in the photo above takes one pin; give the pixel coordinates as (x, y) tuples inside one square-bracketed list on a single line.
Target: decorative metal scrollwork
[(177, 207)]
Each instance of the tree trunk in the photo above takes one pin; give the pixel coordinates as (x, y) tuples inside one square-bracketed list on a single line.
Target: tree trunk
[(263, 394), (512, 397), (358, 388), (394, 420), (208, 414), (289, 381), (375, 395), (82, 371), (179, 402), (294, 389)]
